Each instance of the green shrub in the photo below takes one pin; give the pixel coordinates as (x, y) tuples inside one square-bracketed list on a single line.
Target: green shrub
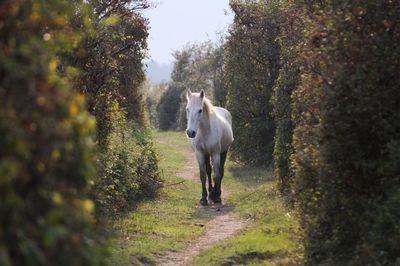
[(110, 60), (46, 142), (128, 170), (168, 107), (291, 25), (283, 148), (218, 70), (347, 133), (252, 65), (152, 94)]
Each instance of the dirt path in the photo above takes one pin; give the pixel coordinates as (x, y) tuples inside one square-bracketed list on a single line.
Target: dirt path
[(222, 224)]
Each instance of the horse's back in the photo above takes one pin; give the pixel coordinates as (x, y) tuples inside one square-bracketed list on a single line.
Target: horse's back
[(224, 113), (226, 127)]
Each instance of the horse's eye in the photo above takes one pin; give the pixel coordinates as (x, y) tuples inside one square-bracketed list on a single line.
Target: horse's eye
[(200, 111)]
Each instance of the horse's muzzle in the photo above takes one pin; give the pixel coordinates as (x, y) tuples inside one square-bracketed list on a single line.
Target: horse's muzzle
[(191, 133)]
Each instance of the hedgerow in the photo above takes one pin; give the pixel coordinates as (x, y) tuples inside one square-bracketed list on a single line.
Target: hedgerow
[(46, 217), (168, 106), (252, 67), (111, 73), (127, 167), (347, 133), (290, 38)]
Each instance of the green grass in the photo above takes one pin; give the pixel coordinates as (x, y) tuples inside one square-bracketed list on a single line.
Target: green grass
[(173, 138), (164, 224), (171, 220), (271, 237)]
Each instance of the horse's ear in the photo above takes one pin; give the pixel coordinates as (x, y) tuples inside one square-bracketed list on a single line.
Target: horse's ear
[(202, 93), (188, 94)]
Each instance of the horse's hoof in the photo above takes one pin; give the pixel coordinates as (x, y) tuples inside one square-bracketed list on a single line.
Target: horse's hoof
[(215, 197), (217, 200), (204, 202)]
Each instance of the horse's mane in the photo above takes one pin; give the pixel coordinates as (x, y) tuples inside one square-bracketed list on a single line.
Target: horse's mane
[(207, 105)]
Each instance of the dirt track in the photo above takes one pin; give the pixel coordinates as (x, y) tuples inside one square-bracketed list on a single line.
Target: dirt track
[(222, 222)]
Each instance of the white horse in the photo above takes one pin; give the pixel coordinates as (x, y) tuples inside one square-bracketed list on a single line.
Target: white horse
[(209, 129)]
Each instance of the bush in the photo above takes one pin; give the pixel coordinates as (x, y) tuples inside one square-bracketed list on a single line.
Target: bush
[(46, 143), (283, 147), (252, 67), (128, 170), (347, 133), (110, 58), (292, 26), (168, 107), (152, 95)]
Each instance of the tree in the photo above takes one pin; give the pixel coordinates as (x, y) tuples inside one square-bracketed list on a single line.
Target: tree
[(168, 106), (111, 78), (110, 60), (198, 67), (217, 68), (152, 94), (252, 68)]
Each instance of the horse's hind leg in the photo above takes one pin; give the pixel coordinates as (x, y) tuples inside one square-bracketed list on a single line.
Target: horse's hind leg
[(222, 164), (216, 193), (208, 169), (219, 163)]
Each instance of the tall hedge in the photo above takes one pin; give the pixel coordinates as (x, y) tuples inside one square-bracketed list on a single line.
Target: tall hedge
[(290, 39), (347, 134), (110, 63), (46, 142), (168, 107), (252, 67), (110, 60)]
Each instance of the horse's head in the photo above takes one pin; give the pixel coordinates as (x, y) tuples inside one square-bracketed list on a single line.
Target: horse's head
[(194, 111)]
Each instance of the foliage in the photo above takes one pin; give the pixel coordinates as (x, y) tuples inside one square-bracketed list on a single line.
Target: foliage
[(272, 236), (50, 52), (168, 106), (291, 25), (111, 76), (196, 67), (252, 67), (335, 105), (152, 94), (128, 168), (46, 141), (166, 223), (218, 75), (110, 60), (347, 133)]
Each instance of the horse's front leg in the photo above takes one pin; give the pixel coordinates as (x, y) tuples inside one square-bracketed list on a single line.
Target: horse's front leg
[(216, 195), (203, 176), (208, 169)]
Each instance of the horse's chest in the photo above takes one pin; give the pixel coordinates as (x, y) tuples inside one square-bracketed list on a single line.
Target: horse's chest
[(207, 147)]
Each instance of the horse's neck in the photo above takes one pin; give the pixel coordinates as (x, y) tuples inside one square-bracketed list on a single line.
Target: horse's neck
[(205, 121), (205, 125)]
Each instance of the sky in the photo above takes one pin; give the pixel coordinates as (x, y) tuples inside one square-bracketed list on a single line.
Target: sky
[(175, 23)]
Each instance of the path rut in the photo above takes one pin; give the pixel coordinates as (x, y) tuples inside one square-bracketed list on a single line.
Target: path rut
[(223, 223)]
